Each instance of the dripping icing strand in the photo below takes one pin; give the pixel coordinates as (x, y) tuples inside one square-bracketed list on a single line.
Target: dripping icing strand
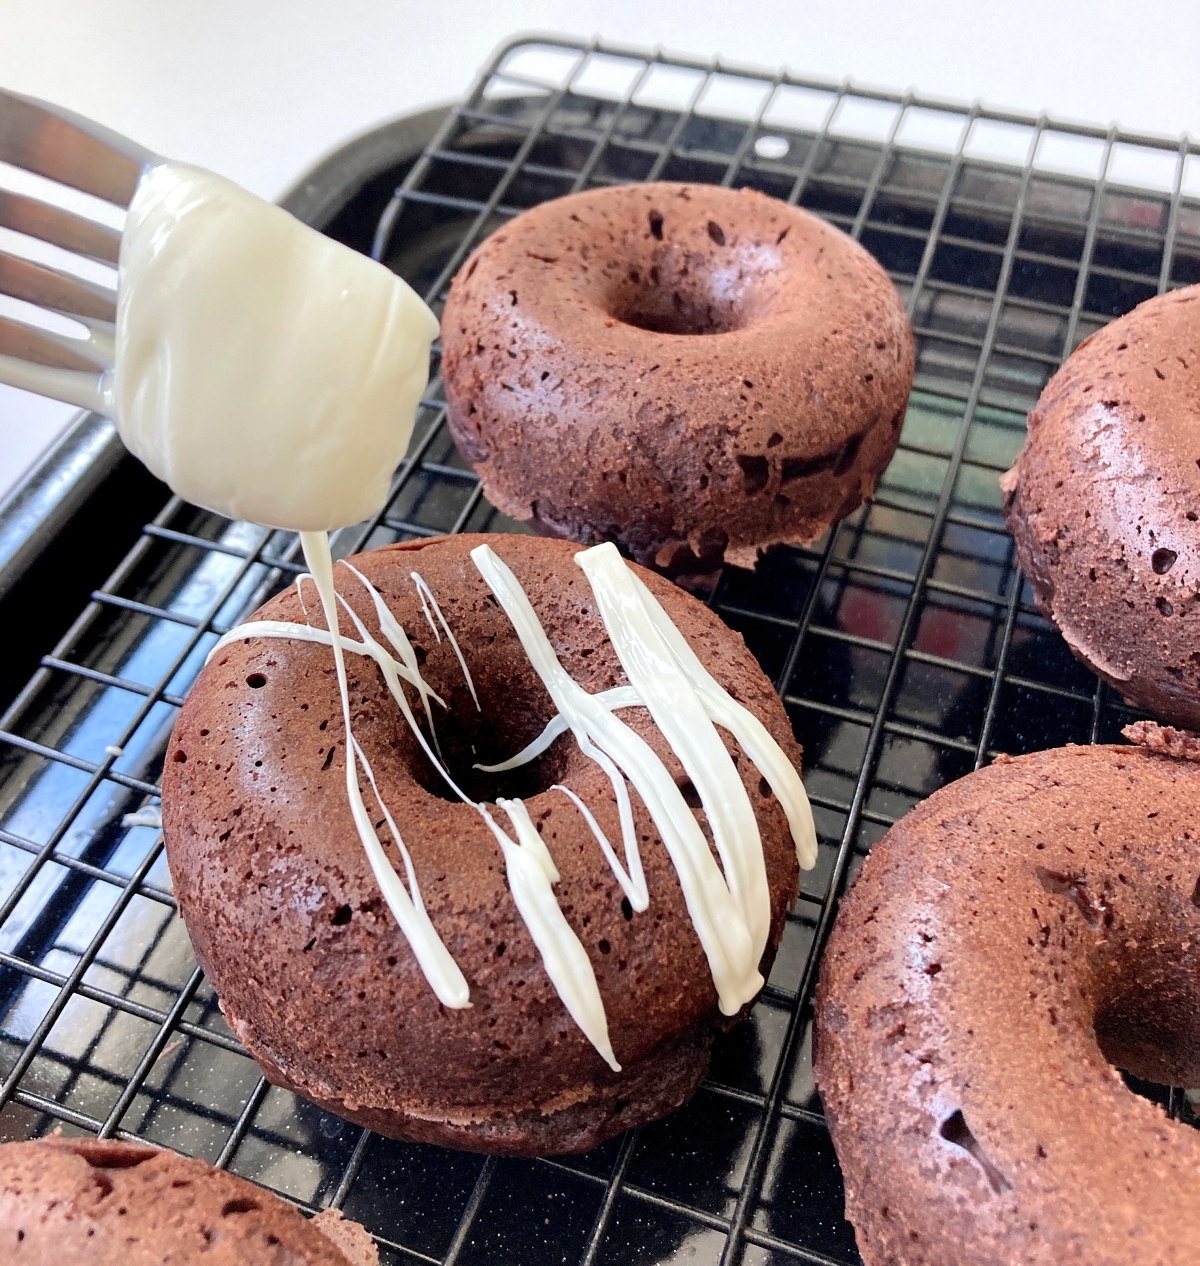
[(439, 968), (531, 874), (728, 916), (754, 737), (765, 754), (427, 601), (679, 713)]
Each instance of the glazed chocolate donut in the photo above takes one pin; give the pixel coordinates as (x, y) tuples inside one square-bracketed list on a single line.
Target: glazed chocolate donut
[(689, 371), (106, 1203), (1104, 499), (1012, 942), (287, 918)]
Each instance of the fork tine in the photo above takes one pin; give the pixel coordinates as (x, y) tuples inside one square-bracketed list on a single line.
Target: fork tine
[(72, 150), (27, 342), (58, 227), (48, 288), (85, 390)]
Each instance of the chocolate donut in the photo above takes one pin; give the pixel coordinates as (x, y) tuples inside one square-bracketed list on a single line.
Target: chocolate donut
[(107, 1203), (1013, 941), (1104, 499), (287, 917), (689, 371)]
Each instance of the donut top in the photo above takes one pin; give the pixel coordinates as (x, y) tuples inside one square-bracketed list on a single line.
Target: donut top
[(730, 910), (1110, 478), (752, 273), (677, 345), (108, 1203), (1015, 939)]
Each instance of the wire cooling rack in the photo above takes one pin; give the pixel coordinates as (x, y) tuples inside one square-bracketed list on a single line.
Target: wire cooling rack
[(905, 647)]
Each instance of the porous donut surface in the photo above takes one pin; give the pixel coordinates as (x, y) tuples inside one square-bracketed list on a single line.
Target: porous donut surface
[(100, 1202), (1104, 504), (1013, 941), (286, 918), (691, 371)]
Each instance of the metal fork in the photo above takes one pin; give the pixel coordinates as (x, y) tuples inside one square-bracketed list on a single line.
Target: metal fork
[(82, 155)]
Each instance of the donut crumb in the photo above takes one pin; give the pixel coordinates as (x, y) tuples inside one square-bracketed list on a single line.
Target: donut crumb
[(1166, 739)]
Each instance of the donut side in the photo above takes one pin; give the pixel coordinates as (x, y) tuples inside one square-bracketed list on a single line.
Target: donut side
[(286, 918), (1013, 940), (695, 373), (110, 1203), (1103, 504)]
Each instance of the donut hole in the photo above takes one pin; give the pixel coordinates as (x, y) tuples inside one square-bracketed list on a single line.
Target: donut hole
[(521, 783), (512, 713), (1147, 1017), (1146, 1003), (677, 291), (687, 307)]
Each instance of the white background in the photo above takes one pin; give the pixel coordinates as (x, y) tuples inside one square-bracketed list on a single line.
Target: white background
[(259, 89)]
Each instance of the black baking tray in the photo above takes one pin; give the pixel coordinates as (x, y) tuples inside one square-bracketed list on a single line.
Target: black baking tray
[(904, 645)]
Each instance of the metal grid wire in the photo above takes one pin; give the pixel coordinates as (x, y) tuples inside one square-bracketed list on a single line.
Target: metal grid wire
[(904, 646)]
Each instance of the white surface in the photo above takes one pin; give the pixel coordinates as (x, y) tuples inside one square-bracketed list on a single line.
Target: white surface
[(258, 90)]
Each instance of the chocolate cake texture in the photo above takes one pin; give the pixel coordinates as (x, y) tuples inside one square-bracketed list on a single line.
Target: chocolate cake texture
[(695, 373), (1010, 944), (108, 1203), (1104, 504), (287, 919)]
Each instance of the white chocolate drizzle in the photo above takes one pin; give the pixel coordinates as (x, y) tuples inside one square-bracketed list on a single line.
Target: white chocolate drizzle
[(427, 601), (531, 875), (147, 816), (729, 904), (716, 913), (442, 972)]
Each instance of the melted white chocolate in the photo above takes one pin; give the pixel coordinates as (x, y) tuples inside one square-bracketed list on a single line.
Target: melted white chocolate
[(429, 607), (756, 741), (730, 912), (531, 875), (262, 370), (528, 865), (442, 972), (678, 711)]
